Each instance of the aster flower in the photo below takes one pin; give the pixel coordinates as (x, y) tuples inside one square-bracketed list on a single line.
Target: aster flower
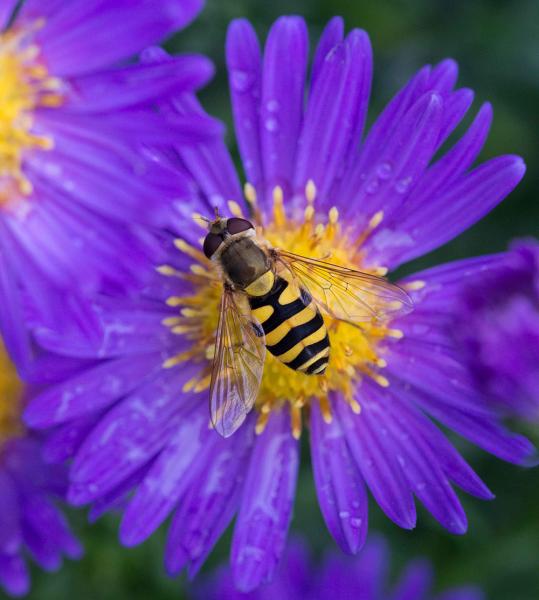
[(74, 115), (499, 331), (337, 576), (31, 523), (132, 412)]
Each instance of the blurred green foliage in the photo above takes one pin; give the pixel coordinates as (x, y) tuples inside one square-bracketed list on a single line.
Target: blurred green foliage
[(496, 43)]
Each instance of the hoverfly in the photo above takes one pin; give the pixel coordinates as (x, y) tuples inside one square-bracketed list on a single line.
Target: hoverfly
[(273, 299)]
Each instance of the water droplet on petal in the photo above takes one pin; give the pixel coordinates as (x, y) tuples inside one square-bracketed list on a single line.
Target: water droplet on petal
[(402, 185), (384, 170), (344, 514), (356, 522), (272, 105), (240, 81), (372, 186), (271, 124)]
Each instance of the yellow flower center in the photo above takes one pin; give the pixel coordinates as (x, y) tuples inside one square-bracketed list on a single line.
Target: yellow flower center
[(10, 397), (24, 86), (356, 351)]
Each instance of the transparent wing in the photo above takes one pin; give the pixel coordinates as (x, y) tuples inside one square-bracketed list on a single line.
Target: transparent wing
[(237, 366), (346, 294)]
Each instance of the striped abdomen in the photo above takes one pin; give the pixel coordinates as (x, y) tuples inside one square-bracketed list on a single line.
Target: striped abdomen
[(294, 328)]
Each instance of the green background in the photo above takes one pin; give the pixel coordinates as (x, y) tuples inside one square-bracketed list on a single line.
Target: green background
[(497, 46)]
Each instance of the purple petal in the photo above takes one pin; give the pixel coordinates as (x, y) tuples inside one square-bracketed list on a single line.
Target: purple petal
[(129, 435), (378, 464), (362, 578), (168, 478), (335, 113), (331, 36), (455, 107), (244, 69), (446, 215), (418, 462), (210, 163), (90, 391), (283, 89), (209, 505), (266, 507), (14, 334), (137, 84), (14, 575), (65, 440), (10, 535), (339, 485), (415, 582), (46, 533), (6, 10), (85, 45), (403, 159), (456, 161)]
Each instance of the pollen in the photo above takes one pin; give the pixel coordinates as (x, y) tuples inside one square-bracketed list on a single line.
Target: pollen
[(356, 351), (25, 86), (10, 398)]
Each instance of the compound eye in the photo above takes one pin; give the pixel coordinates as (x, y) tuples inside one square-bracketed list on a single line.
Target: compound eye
[(211, 244), (237, 225)]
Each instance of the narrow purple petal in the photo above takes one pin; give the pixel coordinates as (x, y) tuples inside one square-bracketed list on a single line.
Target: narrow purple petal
[(339, 485), (378, 464), (415, 582), (444, 76), (283, 88), (210, 163), (129, 435), (86, 45), (455, 107), (10, 534), (418, 462), (244, 72), (6, 10), (136, 84), (209, 505), (446, 215), (90, 391), (64, 441), (168, 478), (266, 507), (331, 36), (335, 113), (14, 576), (456, 161), (401, 162)]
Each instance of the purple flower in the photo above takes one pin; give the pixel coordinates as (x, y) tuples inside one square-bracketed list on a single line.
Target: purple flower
[(132, 410), (31, 524), (499, 331), (77, 186), (337, 576)]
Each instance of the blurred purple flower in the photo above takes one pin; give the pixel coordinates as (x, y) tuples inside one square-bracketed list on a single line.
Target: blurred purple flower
[(499, 330), (138, 433), (31, 523), (338, 577), (77, 186)]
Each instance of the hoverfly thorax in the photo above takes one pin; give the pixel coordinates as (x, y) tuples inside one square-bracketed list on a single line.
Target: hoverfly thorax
[(231, 243)]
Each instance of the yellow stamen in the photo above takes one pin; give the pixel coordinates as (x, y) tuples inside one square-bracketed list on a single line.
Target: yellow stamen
[(310, 191), (25, 85), (235, 208), (413, 286), (10, 398)]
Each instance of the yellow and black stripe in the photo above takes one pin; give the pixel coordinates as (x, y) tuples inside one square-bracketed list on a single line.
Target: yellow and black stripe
[(294, 328)]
